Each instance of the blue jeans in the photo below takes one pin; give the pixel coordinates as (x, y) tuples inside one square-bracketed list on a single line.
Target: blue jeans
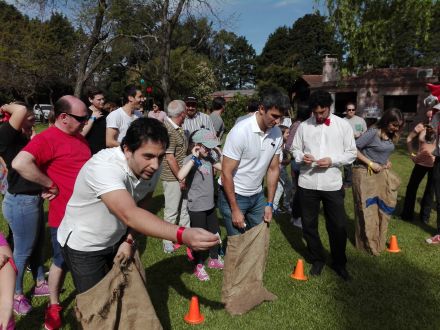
[(252, 208), (24, 214)]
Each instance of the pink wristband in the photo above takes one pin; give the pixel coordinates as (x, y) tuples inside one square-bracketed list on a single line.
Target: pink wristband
[(179, 234)]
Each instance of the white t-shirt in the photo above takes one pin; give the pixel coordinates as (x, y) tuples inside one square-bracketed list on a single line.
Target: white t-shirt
[(335, 141), (87, 220), (121, 121), (255, 150)]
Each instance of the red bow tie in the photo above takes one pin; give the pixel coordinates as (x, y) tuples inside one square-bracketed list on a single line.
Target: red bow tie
[(325, 121)]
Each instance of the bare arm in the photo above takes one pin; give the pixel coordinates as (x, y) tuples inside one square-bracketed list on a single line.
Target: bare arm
[(111, 137), (18, 114), (364, 159), (228, 167), (24, 164), (273, 174), (123, 206)]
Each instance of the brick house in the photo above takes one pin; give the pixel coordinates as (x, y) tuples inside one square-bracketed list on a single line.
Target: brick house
[(403, 88)]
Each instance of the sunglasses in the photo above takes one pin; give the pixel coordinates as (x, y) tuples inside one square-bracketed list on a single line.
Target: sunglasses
[(351, 109), (79, 119)]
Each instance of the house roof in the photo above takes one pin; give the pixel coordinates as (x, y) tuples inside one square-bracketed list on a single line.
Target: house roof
[(228, 94), (314, 80)]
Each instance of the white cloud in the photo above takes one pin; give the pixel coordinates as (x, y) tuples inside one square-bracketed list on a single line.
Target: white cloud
[(285, 3)]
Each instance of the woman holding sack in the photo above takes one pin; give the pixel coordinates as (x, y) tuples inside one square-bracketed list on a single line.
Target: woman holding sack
[(374, 184)]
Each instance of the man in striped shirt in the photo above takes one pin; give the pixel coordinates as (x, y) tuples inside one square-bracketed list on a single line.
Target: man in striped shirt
[(195, 119)]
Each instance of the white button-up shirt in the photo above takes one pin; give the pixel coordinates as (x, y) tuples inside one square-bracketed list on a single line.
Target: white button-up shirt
[(319, 140)]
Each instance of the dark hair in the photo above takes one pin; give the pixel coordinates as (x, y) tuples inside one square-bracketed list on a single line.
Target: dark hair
[(350, 103), (303, 112), (274, 98), (283, 128), (389, 116), (61, 106), (130, 90), (93, 91), (144, 130), (320, 98), (218, 103), (253, 106)]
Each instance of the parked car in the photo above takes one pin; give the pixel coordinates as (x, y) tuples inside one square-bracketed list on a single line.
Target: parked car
[(41, 112)]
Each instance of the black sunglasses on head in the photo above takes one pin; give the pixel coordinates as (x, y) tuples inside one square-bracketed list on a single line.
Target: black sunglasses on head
[(80, 119)]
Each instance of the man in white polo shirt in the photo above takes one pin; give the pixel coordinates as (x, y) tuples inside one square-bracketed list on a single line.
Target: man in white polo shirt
[(108, 204), (251, 150), (322, 145)]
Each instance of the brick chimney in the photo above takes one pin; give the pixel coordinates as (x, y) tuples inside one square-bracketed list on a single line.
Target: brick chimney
[(330, 69)]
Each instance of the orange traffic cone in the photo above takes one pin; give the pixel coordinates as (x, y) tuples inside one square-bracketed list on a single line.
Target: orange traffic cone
[(298, 273), (194, 316), (393, 247)]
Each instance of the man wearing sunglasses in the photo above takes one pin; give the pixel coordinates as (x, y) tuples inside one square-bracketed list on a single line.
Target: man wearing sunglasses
[(359, 127), (53, 159)]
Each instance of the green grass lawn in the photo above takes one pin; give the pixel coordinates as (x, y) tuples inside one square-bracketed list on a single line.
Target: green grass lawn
[(393, 291)]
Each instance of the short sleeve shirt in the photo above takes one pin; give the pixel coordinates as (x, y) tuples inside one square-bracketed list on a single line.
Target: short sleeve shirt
[(201, 186), (254, 150), (11, 143), (60, 156), (119, 120), (374, 148), (92, 227), (200, 120), (178, 147)]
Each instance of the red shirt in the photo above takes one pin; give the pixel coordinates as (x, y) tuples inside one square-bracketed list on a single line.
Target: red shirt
[(60, 156)]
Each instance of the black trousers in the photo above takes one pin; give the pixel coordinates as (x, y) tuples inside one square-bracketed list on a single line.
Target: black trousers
[(89, 268), (206, 220), (436, 179), (417, 175), (335, 221)]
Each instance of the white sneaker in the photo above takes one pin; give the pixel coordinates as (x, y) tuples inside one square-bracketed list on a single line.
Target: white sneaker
[(296, 222)]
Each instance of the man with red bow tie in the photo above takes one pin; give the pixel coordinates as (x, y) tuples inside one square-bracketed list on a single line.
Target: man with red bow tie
[(322, 145)]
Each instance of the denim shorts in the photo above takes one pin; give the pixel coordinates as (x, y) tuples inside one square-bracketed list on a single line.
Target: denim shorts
[(252, 208), (58, 259)]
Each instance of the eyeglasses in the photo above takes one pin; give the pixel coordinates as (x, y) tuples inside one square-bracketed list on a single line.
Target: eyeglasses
[(351, 109), (191, 105), (79, 119)]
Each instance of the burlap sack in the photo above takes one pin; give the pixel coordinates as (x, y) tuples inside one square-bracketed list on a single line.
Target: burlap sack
[(245, 262), (375, 199), (119, 301)]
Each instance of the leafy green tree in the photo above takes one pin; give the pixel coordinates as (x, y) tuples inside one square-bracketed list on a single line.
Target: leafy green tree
[(311, 37), (382, 33), (240, 64)]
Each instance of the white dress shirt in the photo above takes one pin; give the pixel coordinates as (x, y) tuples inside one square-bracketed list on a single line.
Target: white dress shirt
[(319, 140)]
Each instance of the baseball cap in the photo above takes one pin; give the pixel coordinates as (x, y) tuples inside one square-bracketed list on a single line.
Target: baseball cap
[(191, 99), (205, 137)]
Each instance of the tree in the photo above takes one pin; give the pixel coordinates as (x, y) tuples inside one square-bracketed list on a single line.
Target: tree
[(311, 37), (381, 33), (241, 62)]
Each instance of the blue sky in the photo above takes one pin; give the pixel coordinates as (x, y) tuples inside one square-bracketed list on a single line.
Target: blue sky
[(254, 19), (257, 19)]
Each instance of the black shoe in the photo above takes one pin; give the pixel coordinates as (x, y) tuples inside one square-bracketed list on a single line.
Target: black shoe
[(316, 269), (342, 273)]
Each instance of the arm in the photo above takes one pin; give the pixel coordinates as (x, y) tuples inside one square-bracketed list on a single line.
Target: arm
[(24, 163), (186, 168), (111, 137), (228, 167), (364, 159), (122, 205), (273, 174), (18, 114)]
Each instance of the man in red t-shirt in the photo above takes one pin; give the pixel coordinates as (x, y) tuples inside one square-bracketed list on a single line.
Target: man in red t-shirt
[(53, 160)]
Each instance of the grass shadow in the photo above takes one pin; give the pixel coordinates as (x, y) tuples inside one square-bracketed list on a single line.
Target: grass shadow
[(398, 285), (159, 285), (292, 234)]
